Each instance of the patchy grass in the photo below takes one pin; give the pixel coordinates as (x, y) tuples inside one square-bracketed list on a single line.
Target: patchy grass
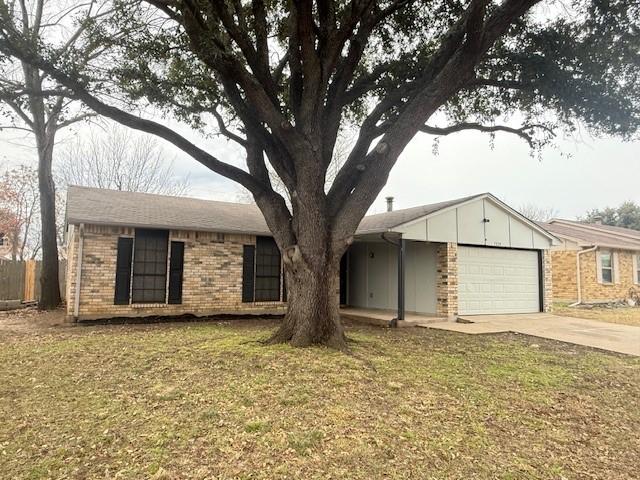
[(622, 315), (204, 400)]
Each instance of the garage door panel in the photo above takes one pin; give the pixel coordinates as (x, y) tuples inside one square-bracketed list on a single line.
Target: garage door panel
[(492, 280)]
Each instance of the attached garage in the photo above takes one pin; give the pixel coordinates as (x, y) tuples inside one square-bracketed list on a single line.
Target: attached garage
[(470, 256), (498, 280)]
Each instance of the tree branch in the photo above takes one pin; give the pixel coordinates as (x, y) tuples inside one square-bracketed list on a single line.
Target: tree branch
[(208, 160), (225, 131), (9, 100), (72, 120), (523, 132), (499, 83)]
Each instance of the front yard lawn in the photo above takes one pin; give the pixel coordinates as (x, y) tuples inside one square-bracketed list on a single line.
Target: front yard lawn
[(623, 315), (203, 400)]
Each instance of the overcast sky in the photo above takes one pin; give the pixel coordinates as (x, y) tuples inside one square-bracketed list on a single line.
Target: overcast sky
[(572, 178)]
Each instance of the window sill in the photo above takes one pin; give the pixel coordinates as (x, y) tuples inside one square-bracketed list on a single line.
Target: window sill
[(148, 305)]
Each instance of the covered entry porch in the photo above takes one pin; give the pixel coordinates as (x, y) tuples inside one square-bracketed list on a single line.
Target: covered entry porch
[(385, 278)]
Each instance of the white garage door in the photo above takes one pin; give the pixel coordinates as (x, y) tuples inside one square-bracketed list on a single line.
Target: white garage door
[(497, 280)]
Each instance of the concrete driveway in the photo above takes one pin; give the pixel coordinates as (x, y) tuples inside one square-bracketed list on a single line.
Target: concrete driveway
[(591, 333)]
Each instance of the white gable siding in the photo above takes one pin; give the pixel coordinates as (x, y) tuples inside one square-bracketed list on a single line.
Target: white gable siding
[(443, 227), (497, 228), (521, 236), (539, 240), (415, 231), (470, 223), (465, 224)]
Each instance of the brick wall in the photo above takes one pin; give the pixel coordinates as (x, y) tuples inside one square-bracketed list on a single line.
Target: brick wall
[(212, 277), (593, 291), (565, 284), (447, 280), (547, 277), (565, 278)]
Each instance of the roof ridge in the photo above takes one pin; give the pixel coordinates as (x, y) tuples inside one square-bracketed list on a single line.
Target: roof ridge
[(598, 228)]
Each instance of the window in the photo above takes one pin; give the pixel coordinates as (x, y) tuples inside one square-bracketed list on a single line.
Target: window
[(268, 270), (1, 239), (150, 266), (637, 272), (606, 264), (146, 264)]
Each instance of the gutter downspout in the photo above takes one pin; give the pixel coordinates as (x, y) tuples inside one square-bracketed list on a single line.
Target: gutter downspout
[(401, 260), (578, 272), (76, 300)]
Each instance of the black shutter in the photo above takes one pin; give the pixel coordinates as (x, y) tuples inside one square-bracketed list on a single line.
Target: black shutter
[(248, 259), (176, 264), (284, 286), (123, 271)]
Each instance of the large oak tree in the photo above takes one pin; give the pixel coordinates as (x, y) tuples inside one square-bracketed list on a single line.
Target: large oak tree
[(282, 77)]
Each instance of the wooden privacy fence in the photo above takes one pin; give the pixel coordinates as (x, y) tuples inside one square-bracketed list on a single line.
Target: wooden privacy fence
[(21, 280)]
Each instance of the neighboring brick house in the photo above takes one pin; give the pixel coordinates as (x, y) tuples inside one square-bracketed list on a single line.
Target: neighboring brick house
[(151, 255), (607, 259)]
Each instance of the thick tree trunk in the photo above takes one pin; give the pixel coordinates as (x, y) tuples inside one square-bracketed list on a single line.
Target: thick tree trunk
[(313, 302), (49, 283)]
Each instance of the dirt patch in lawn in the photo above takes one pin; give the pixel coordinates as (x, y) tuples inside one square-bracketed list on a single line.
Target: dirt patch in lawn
[(206, 400), (29, 320), (621, 315)]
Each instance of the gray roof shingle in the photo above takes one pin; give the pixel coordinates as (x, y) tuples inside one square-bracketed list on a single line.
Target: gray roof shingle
[(113, 207), (382, 222), (593, 234)]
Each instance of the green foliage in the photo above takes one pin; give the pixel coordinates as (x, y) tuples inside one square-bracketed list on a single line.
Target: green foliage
[(579, 67), (626, 215)]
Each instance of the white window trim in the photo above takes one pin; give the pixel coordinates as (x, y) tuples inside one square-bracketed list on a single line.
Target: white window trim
[(601, 268), (636, 268)]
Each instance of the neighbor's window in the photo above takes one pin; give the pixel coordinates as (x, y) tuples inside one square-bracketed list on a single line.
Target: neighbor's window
[(267, 286), (638, 268), (150, 266), (606, 263), (1, 239)]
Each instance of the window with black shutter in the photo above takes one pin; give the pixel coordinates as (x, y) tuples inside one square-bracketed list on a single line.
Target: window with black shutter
[(248, 272), (176, 264), (150, 266), (123, 271), (268, 270)]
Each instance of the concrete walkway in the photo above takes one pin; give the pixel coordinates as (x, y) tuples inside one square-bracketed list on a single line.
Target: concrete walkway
[(591, 333)]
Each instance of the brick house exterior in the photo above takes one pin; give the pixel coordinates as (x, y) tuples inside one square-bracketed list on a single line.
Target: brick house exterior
[(593, 262), (212, 285), (138, 255)]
